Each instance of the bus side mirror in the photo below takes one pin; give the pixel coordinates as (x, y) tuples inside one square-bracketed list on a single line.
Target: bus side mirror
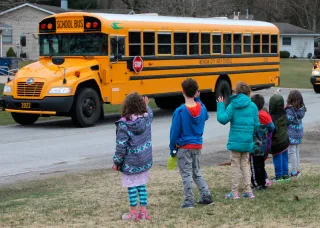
[(58, 60)]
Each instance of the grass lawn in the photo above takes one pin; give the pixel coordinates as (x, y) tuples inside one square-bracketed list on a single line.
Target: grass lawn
[(295, 73), (97, 199)]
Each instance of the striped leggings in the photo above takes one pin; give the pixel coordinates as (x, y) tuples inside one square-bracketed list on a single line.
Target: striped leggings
[(143, 195)]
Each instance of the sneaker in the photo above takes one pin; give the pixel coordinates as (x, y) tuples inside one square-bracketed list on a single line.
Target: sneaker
[(232, 195), (132, 215), (268, 183), (207, 200), (143, 214), (187, 205), (293, 174), (286, 177), (277, 179), (248, 195)]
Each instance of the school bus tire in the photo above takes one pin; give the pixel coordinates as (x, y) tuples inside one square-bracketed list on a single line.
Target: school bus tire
[(223, 89), (25, 118), (87, 107), (316, 88), (168, 103)]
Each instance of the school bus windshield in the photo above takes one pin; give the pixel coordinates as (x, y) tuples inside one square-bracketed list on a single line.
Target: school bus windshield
[(93, 44)]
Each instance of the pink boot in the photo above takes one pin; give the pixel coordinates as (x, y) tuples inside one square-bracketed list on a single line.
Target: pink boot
[(132, 215), (143, 214)]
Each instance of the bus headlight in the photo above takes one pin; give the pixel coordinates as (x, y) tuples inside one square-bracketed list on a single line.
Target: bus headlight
[(7, 89), (315, 73), (60, 90)]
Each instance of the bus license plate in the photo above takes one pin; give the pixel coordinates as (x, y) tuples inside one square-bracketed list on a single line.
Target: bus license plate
[(25, 105)]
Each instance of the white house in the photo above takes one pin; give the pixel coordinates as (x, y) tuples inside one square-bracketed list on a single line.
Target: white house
[(298, 41), (23, 20)]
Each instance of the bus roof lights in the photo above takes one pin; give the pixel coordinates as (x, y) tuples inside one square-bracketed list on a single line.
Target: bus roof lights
[(43, 26), (95, 24), (88, 25), (50, 26)]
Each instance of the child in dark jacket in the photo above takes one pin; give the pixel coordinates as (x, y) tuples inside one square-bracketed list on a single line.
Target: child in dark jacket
[(133, 155), (186, 137), (261, 138), (280, 139), (295, 110)]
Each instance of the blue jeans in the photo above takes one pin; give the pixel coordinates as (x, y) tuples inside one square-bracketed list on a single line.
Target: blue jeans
[(281, 164)]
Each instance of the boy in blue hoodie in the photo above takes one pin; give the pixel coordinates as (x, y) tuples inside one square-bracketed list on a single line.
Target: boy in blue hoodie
[(186, 138)]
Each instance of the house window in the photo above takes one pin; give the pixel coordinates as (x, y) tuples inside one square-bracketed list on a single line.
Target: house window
[(194, 43), (286, 41), (134, 43), (216, 43), (149, 43), (180, 43), (7, 36), (205, 43), (164, 43)]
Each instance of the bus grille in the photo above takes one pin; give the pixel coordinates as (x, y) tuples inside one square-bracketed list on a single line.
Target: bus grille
[(33, 90)]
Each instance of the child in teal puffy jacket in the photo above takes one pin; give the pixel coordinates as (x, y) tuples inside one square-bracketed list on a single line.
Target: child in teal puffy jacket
[(243, 116)]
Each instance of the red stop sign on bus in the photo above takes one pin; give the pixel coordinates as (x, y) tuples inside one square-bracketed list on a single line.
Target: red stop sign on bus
[(137, 64)]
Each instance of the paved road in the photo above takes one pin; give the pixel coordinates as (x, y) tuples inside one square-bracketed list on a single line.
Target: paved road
[(55, 146)]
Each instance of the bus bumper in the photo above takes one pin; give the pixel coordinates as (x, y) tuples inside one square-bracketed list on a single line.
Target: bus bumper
[(315, 80), (48, 105)]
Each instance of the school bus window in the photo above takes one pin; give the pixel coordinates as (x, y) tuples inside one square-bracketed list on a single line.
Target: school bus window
[(274, 44), (237, 43), (164, 43), (93, 44), (180, 43), (256, 43), (205, 43), (227, 43), (265, 43), (121, 46), (134, 43), (149, 44), (247, 43), (216, 43), (194, 43)]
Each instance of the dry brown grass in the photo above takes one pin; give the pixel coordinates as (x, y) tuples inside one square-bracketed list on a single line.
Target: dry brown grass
[(96, 199)]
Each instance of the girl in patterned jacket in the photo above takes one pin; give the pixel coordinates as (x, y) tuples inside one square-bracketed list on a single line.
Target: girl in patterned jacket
[(295, 110), (133, 156)]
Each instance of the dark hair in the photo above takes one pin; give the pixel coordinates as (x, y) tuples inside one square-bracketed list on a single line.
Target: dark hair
[(190, 87), (258, 100), (243, 88), (133, 105), (295, 99)]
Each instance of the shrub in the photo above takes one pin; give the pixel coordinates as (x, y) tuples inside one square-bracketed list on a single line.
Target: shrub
[(284, 54), (11, 53)]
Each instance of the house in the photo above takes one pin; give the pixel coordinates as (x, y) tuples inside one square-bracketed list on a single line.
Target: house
[(296, 40), (20, 23)]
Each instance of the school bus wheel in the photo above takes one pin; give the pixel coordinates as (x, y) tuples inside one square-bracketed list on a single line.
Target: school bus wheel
[(86, 109), (223, 89), (316, 88), (25, 118)]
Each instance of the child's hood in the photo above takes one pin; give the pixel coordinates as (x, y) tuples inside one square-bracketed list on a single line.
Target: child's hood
[(137, 126), (299, 112), (264, 117), (240, 100), (194, 117), (276, 105)]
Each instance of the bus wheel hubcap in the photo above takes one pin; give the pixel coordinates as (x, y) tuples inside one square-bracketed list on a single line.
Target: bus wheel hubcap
[(89, 107)]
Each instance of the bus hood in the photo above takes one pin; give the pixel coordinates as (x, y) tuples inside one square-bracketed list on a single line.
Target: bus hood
[(49, 72)]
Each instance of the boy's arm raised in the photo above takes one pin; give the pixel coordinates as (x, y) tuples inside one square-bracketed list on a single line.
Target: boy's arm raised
[(175, 129), (121, 146), (224, 115)]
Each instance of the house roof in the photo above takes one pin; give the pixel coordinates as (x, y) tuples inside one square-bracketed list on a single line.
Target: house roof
[(55, 9), (289, 29)]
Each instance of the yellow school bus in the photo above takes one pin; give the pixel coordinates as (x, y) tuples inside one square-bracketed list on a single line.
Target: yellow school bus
[(88, 59)]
